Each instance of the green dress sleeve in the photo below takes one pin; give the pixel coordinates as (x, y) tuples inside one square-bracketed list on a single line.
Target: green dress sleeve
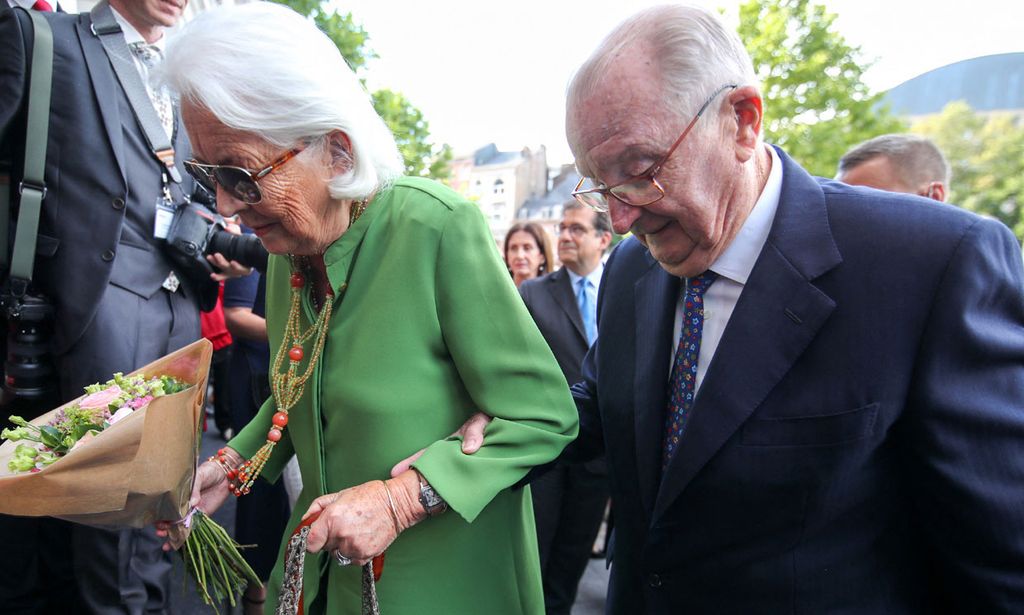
[(505, 365), (254, 435)]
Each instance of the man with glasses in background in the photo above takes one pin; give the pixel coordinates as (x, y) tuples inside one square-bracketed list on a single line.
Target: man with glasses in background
[(570, 500), (120, 302), (809, 395)]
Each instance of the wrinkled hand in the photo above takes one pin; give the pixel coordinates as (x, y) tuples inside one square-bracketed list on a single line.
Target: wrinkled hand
[(208, 494), (472, 432), (357, 522), (228, 269)]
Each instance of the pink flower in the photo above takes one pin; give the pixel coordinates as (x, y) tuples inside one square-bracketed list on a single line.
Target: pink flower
[(120, 414), (102, 399)]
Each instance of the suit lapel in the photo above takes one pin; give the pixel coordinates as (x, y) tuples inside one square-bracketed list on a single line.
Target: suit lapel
[(655, 297), (105, 87), (562, 291), (778, 314)]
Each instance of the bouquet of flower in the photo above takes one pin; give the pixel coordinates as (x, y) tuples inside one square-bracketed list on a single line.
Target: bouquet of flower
[(124, 455), (75, 425)]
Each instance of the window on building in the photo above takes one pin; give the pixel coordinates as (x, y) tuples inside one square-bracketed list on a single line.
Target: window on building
[(499, 186)]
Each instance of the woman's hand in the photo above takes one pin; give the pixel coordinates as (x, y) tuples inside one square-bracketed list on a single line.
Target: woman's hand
[(208, 494), (359, 522)]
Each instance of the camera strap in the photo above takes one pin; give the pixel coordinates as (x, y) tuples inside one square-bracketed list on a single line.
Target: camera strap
[(33, 185), (105, 26)]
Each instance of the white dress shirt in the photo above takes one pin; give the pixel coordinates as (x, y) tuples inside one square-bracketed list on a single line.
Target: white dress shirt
[(733, 268), (156, 94)]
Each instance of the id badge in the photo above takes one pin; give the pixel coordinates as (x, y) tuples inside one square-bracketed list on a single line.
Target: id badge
[(164, 217)]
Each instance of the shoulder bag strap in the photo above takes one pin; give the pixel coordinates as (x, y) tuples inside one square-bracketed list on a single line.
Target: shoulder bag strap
[(105, 26), (33, 185)]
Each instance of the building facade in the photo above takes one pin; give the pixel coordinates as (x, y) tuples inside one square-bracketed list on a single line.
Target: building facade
[(500, 182)]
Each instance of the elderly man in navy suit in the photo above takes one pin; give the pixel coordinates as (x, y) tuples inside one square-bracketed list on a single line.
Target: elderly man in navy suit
[(809, 394), (569, 501)]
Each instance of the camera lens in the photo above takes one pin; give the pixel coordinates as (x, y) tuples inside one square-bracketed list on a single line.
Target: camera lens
[(29, 385), (245, 249)]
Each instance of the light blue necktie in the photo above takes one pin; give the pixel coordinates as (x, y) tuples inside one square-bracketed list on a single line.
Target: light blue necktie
[(587, 311)]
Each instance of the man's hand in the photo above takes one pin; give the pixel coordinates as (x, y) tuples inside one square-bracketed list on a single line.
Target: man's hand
[(228, 269), (472, 432)]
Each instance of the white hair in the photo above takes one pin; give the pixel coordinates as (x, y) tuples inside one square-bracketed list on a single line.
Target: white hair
[(264, 69), (696, 54)]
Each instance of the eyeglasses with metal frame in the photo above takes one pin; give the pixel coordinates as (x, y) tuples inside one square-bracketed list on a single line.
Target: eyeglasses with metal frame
[(644, 189), (242, 184)]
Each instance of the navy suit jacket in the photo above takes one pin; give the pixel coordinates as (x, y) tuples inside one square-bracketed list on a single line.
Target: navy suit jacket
[(857, 445)]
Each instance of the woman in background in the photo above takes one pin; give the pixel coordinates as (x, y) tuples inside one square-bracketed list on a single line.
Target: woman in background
[(528, 252)]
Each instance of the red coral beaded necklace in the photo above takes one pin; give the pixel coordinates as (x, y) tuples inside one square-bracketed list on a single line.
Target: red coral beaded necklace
[(287, 384)]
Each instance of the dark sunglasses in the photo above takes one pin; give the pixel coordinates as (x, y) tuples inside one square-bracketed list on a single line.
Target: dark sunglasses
[(240, 183)]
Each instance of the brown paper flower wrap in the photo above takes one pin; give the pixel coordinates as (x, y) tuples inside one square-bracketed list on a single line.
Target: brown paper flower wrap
[(131, 474)]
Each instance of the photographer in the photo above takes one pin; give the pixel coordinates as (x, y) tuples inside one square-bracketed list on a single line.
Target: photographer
[(118, 299)]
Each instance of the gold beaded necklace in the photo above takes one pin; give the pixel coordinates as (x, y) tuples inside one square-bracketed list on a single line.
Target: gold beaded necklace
[(287, 384)]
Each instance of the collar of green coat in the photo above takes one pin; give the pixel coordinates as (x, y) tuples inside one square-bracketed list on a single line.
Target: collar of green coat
[(340, 255)]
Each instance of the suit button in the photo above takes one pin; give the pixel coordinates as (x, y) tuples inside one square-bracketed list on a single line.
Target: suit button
[(108, 255), (117, 203), (654, 580)]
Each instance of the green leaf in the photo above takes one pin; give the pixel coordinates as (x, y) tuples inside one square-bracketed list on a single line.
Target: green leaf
[(79, 431), (816, 103), (51, 437)]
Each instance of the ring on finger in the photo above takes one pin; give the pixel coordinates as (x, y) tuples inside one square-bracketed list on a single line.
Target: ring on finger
[(341, 559)]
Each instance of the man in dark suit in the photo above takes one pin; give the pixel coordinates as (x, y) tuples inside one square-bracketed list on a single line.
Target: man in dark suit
[(120, 302), (569, 501), (809, 394)]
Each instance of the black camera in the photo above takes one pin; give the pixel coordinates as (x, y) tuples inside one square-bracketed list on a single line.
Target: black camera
[(29, 385), (196, 232)]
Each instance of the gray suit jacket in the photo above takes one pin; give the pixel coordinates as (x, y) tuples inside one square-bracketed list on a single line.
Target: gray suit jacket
[(103, 184)]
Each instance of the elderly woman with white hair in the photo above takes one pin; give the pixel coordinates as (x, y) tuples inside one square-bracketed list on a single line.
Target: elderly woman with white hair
[(391, 319)]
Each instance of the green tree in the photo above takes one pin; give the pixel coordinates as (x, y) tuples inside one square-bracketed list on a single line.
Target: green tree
[(816, 104), (412, 135), (412, 131), (986, 153)]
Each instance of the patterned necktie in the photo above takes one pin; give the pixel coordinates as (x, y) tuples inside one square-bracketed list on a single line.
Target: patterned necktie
[(150, 57), (587, 311), (682, 383)]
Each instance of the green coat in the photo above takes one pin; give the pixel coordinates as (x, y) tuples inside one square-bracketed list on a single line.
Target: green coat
[(429, 330)]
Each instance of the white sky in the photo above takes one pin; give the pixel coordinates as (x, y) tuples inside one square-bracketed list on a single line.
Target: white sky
[(486, 72)]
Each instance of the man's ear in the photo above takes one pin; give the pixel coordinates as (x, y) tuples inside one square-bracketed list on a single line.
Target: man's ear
[(747, 108), (935, 190), (339, 147)]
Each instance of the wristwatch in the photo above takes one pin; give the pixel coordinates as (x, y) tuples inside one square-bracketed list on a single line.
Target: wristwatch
[(431, 501)]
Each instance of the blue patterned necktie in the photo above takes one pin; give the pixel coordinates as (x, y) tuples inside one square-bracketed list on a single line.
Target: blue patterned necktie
[(587, 311), (682, 383)]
